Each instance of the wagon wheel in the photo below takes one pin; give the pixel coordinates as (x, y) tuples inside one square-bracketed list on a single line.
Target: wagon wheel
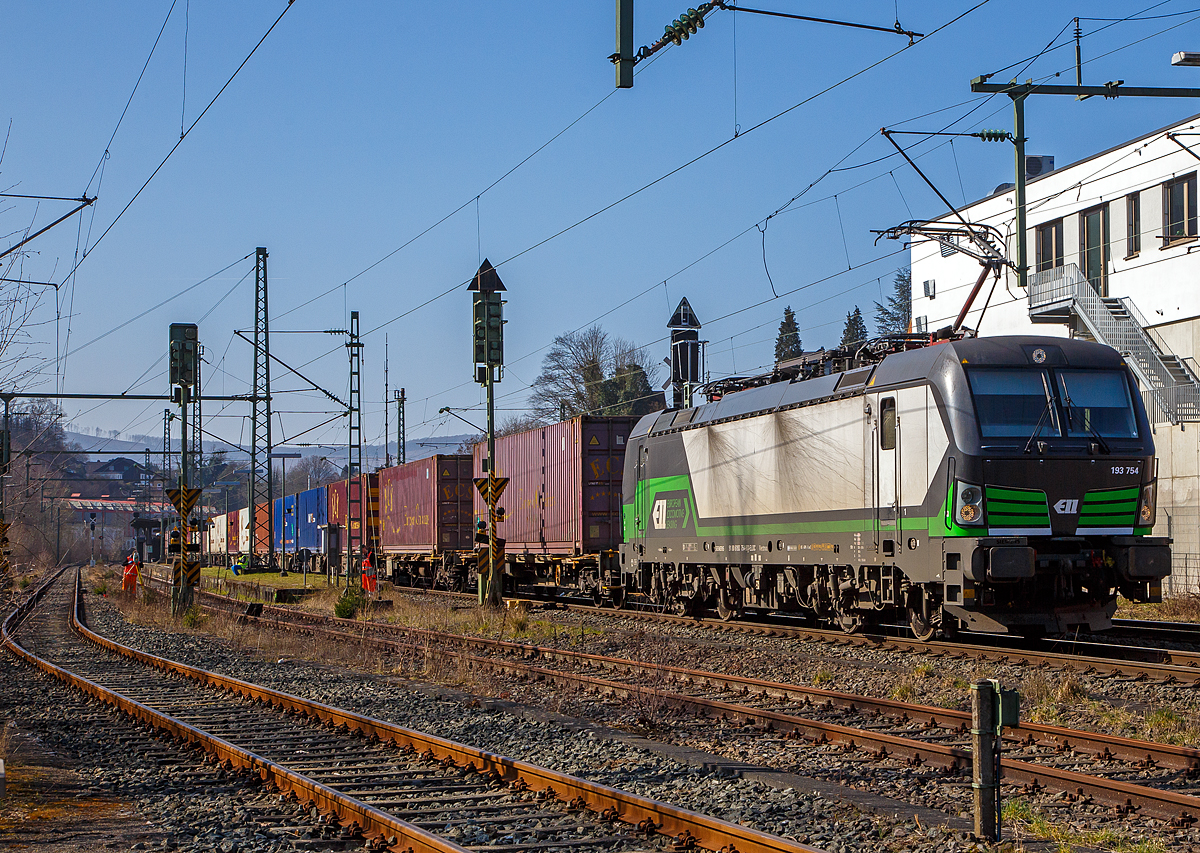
[(849, 621), (726, 609), (618, 597), (922, 627)]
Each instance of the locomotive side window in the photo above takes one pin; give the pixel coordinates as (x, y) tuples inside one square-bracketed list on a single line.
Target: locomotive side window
[(887, 424), (1096, 402), (1012, 403)]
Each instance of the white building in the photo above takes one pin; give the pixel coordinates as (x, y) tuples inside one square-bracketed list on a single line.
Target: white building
[(1113, 255)]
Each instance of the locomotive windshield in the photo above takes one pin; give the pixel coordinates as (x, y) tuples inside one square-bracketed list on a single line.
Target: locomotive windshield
[(1096, 402), (1023, 403), (1012, 403)]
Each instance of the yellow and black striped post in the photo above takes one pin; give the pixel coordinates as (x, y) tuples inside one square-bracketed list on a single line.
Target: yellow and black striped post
[(491, 488)]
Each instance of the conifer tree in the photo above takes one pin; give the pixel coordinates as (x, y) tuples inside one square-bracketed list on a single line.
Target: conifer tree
[(856, 329), (787, 344), (895, 316)]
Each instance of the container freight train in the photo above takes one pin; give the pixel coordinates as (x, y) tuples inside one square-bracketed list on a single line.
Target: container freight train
[(999, 484)]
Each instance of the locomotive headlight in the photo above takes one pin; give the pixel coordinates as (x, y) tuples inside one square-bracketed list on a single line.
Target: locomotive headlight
[(1146, 506), (968, 504)]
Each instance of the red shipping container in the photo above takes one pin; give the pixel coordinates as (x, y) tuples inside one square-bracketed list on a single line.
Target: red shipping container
[(425, 506), (564, 490), (262, 528)]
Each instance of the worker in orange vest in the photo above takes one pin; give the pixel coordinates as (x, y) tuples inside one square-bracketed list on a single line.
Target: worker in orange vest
[(130, 577), (369, 580)]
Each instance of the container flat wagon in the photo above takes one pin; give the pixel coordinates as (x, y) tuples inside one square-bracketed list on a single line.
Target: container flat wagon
[(425, 521), (562, 503)]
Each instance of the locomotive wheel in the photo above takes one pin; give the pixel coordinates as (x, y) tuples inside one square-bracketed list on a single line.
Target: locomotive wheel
[(922, 629), (618, 597)]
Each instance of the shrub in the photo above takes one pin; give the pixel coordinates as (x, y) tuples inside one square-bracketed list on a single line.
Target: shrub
[(348, 605), (193, 617)]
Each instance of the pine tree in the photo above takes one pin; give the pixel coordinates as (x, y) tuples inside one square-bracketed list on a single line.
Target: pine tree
[(895, 317), (856, 329), (787, 344)]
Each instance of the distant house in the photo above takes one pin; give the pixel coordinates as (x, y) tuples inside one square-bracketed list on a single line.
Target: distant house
[(119, 468)]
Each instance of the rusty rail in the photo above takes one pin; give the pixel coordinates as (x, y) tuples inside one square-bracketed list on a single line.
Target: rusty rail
[(1181, 808), (686, 826)]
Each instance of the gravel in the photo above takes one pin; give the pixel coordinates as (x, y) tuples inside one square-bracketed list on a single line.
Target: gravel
[(798, 812), (180, 801)]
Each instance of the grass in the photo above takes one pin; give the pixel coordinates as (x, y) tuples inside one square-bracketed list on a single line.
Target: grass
[(1019, 818), (904, 691), (24, 582), (1175, 608), (100, 588), (823, 676)]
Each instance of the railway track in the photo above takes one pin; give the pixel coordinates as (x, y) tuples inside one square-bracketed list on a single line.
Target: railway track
[(1161, 664), (395, 788), (1157, 779)]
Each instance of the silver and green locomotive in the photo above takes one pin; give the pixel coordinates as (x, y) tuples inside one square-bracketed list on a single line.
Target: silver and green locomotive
[(991, 484)]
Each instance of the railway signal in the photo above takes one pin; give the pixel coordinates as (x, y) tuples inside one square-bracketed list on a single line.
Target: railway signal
[(184, 349), (184, 346), (487, 314)]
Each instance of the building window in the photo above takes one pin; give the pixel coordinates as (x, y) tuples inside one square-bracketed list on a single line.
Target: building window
[(1133, 224), (948, 246), (1050, 245), (930, 288), (1179, 209), (1093, 246), (919, 324)]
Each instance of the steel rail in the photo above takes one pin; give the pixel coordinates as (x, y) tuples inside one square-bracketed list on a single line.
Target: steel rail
[(1173, 666), (685, 826), (1028, 733), (388, 830), (1181, 809)]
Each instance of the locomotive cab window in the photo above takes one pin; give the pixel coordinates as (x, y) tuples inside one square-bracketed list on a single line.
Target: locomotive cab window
[(1096, 402), (887, 424), (1012, 403)]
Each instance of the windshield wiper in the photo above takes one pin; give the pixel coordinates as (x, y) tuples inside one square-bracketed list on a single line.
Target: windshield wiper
[(1071, 420), (1038, 428)]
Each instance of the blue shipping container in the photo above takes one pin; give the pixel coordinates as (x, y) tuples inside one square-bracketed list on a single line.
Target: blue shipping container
[(312, 517), (284, 526)]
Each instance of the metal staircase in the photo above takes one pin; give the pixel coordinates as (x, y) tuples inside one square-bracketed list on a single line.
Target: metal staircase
[(1170, 387)]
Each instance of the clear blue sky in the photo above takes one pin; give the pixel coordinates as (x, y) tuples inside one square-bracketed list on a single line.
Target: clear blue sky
[(356, 126)]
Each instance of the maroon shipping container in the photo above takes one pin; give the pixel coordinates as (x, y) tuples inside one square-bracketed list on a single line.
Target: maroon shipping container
[(339, 507), (337, 503), (425, 506), (564, 490), (231, 532)]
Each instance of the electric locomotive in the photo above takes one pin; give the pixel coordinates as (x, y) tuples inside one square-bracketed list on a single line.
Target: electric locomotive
[(999, 484)]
